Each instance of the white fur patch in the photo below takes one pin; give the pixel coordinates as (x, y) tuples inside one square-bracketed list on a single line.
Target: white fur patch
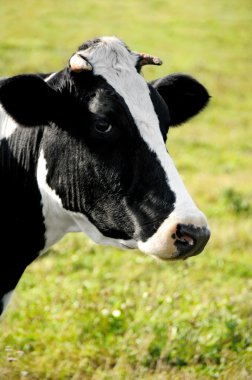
[(57, 220), (50, 77), (161, 244), (6, 300), (7, 124)]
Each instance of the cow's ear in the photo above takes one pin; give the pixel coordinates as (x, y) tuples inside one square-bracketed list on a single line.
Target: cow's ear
[(28, 99), (184, 95)]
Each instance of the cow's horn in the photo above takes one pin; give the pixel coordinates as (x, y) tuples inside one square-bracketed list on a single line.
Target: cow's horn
[(78, 63), (146, 59)]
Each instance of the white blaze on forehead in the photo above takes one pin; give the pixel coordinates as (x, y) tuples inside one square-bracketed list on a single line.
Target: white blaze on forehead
[(116, 64), (111, 59)]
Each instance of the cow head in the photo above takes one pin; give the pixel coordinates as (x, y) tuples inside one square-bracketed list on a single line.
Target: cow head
[(103, 166)]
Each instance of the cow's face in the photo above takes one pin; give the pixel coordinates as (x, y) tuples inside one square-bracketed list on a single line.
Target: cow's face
[(103, 156)]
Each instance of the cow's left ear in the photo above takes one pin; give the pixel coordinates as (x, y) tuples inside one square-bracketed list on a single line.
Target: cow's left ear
[(184, 95), (28, 99)]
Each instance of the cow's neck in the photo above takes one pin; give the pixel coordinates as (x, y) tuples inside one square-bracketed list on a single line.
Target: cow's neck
[(58, 221), (22, 228), (20, 200)]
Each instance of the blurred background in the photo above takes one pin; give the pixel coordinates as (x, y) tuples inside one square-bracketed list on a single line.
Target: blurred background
[(88, 312)]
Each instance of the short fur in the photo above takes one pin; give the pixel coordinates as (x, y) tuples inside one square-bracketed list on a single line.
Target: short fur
[(120, 185)]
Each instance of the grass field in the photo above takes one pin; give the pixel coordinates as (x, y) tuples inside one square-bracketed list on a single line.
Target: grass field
[(89, 312)]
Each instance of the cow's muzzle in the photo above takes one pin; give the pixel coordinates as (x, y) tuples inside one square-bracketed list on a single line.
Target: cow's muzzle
[(178, 237), (190, 240)]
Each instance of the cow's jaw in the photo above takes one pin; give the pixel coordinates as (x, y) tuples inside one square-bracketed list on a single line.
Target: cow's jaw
[(59, 221)]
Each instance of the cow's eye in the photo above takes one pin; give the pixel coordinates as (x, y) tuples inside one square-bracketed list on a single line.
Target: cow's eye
[(103, 127)]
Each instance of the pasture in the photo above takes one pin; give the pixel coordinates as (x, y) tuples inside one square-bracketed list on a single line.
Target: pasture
[(84, 311)]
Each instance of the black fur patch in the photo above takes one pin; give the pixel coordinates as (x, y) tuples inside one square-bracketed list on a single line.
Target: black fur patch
[(184, 95), (21, 225)]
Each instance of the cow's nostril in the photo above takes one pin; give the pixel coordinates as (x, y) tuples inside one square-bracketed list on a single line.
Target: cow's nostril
[(186, 240), (182, 238), (190, 240)]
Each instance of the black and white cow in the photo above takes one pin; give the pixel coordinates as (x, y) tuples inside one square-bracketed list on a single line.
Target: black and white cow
[(83, 149)]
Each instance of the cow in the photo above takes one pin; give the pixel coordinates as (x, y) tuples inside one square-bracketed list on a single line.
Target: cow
[(84, 149)]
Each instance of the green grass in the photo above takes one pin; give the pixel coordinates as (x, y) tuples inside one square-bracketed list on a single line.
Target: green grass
[(89, 312)]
